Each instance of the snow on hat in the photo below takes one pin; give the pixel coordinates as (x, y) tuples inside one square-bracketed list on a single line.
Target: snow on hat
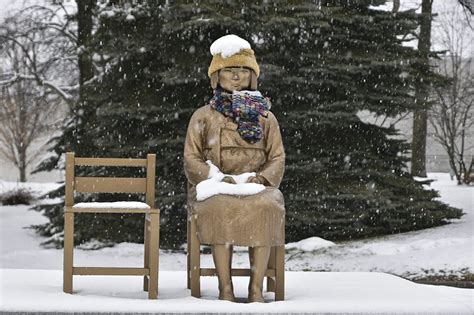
[(232, 51)]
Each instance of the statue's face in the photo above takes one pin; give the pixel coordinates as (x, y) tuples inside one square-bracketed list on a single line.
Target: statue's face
[(234, 78)]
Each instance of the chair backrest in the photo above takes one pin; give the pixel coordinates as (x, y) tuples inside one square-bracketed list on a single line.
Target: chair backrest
[(144, 185)]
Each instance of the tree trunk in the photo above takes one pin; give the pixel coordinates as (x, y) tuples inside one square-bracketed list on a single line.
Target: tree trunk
[(22, 144), (85, 10), (396, 6), (418, 145), (22, 167), (420, 116)]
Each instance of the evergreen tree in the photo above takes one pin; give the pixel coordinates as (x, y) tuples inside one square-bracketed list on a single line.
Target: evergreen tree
[(320, 64), (344, 178)]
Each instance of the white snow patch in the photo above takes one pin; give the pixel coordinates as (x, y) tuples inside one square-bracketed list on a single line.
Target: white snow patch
[(214, 185), (214, 172), (392, 248), (444, 250), (420, 179), (229, 45), (309, 244), (115, 205), (37, 189), (108, 13), (248, 92)]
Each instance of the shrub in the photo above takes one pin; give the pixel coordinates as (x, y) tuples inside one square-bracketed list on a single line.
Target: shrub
[(17, 196)]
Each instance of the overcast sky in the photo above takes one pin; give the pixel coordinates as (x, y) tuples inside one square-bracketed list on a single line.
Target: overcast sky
[(6, 6)]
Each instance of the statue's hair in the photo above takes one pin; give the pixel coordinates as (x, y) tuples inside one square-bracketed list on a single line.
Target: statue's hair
[(253, 80)]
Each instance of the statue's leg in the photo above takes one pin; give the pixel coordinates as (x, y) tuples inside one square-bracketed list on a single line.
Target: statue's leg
[(222, 255), (259, 256)]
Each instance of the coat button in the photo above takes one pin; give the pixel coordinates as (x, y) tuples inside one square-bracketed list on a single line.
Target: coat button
[(231, 125)]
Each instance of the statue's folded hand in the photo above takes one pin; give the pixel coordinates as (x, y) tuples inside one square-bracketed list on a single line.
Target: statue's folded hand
[(256, 180), (229, 180)]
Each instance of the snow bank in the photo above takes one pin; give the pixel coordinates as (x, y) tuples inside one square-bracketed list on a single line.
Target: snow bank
[(310, 244), (229, 45), (214, 185), (37, 189)]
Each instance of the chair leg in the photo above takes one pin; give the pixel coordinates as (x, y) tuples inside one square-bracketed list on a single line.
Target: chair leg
[(280, 273), (154, 255), (188, 256), (146, 243), (195, 261), (68, 252), (271, 265)]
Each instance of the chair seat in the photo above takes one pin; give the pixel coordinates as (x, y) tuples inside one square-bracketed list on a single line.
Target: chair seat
[(112, 207)]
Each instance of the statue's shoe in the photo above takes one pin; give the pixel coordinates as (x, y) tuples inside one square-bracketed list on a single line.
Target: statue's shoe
[(256, 296), (227, 294)]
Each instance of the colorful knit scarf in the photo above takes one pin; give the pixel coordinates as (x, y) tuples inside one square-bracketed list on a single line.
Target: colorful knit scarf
[(245, 109)]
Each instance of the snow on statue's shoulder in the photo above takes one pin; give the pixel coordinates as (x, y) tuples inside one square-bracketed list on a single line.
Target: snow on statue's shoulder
[(229, 45)]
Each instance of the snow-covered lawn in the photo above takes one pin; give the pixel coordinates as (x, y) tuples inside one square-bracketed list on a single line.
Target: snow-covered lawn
[(437, 251), (446, 250)]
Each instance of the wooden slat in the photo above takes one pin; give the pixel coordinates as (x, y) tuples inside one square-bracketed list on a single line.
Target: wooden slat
[(146, 241), (110, 271), (154, 255), (111, 210), (236, 272), (280, 274), (195, 260), (110, 184), (69, 181), (280, 269), (68, 252), (188, 255), (271, 265), (110, 162), (150, 177)]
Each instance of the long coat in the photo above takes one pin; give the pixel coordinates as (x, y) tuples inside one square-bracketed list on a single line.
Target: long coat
[(255, 220)]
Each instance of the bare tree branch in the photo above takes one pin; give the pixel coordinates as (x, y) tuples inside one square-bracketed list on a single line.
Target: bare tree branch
[(452, 116)]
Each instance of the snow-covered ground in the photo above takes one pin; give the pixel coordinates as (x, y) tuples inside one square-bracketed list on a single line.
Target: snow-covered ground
[(437, 251), (442, 250), (446, 250), (306, 292)]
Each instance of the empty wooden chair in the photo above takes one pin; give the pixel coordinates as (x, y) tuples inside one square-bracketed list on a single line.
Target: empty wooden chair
[(275, 271), (113, 185)]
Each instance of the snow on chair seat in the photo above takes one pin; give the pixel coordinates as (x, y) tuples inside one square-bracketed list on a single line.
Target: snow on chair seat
[(115, 204), (112, 207)]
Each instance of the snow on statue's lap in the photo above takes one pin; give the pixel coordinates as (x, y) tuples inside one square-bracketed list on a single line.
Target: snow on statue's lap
[(214, 185), (209, 188)]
